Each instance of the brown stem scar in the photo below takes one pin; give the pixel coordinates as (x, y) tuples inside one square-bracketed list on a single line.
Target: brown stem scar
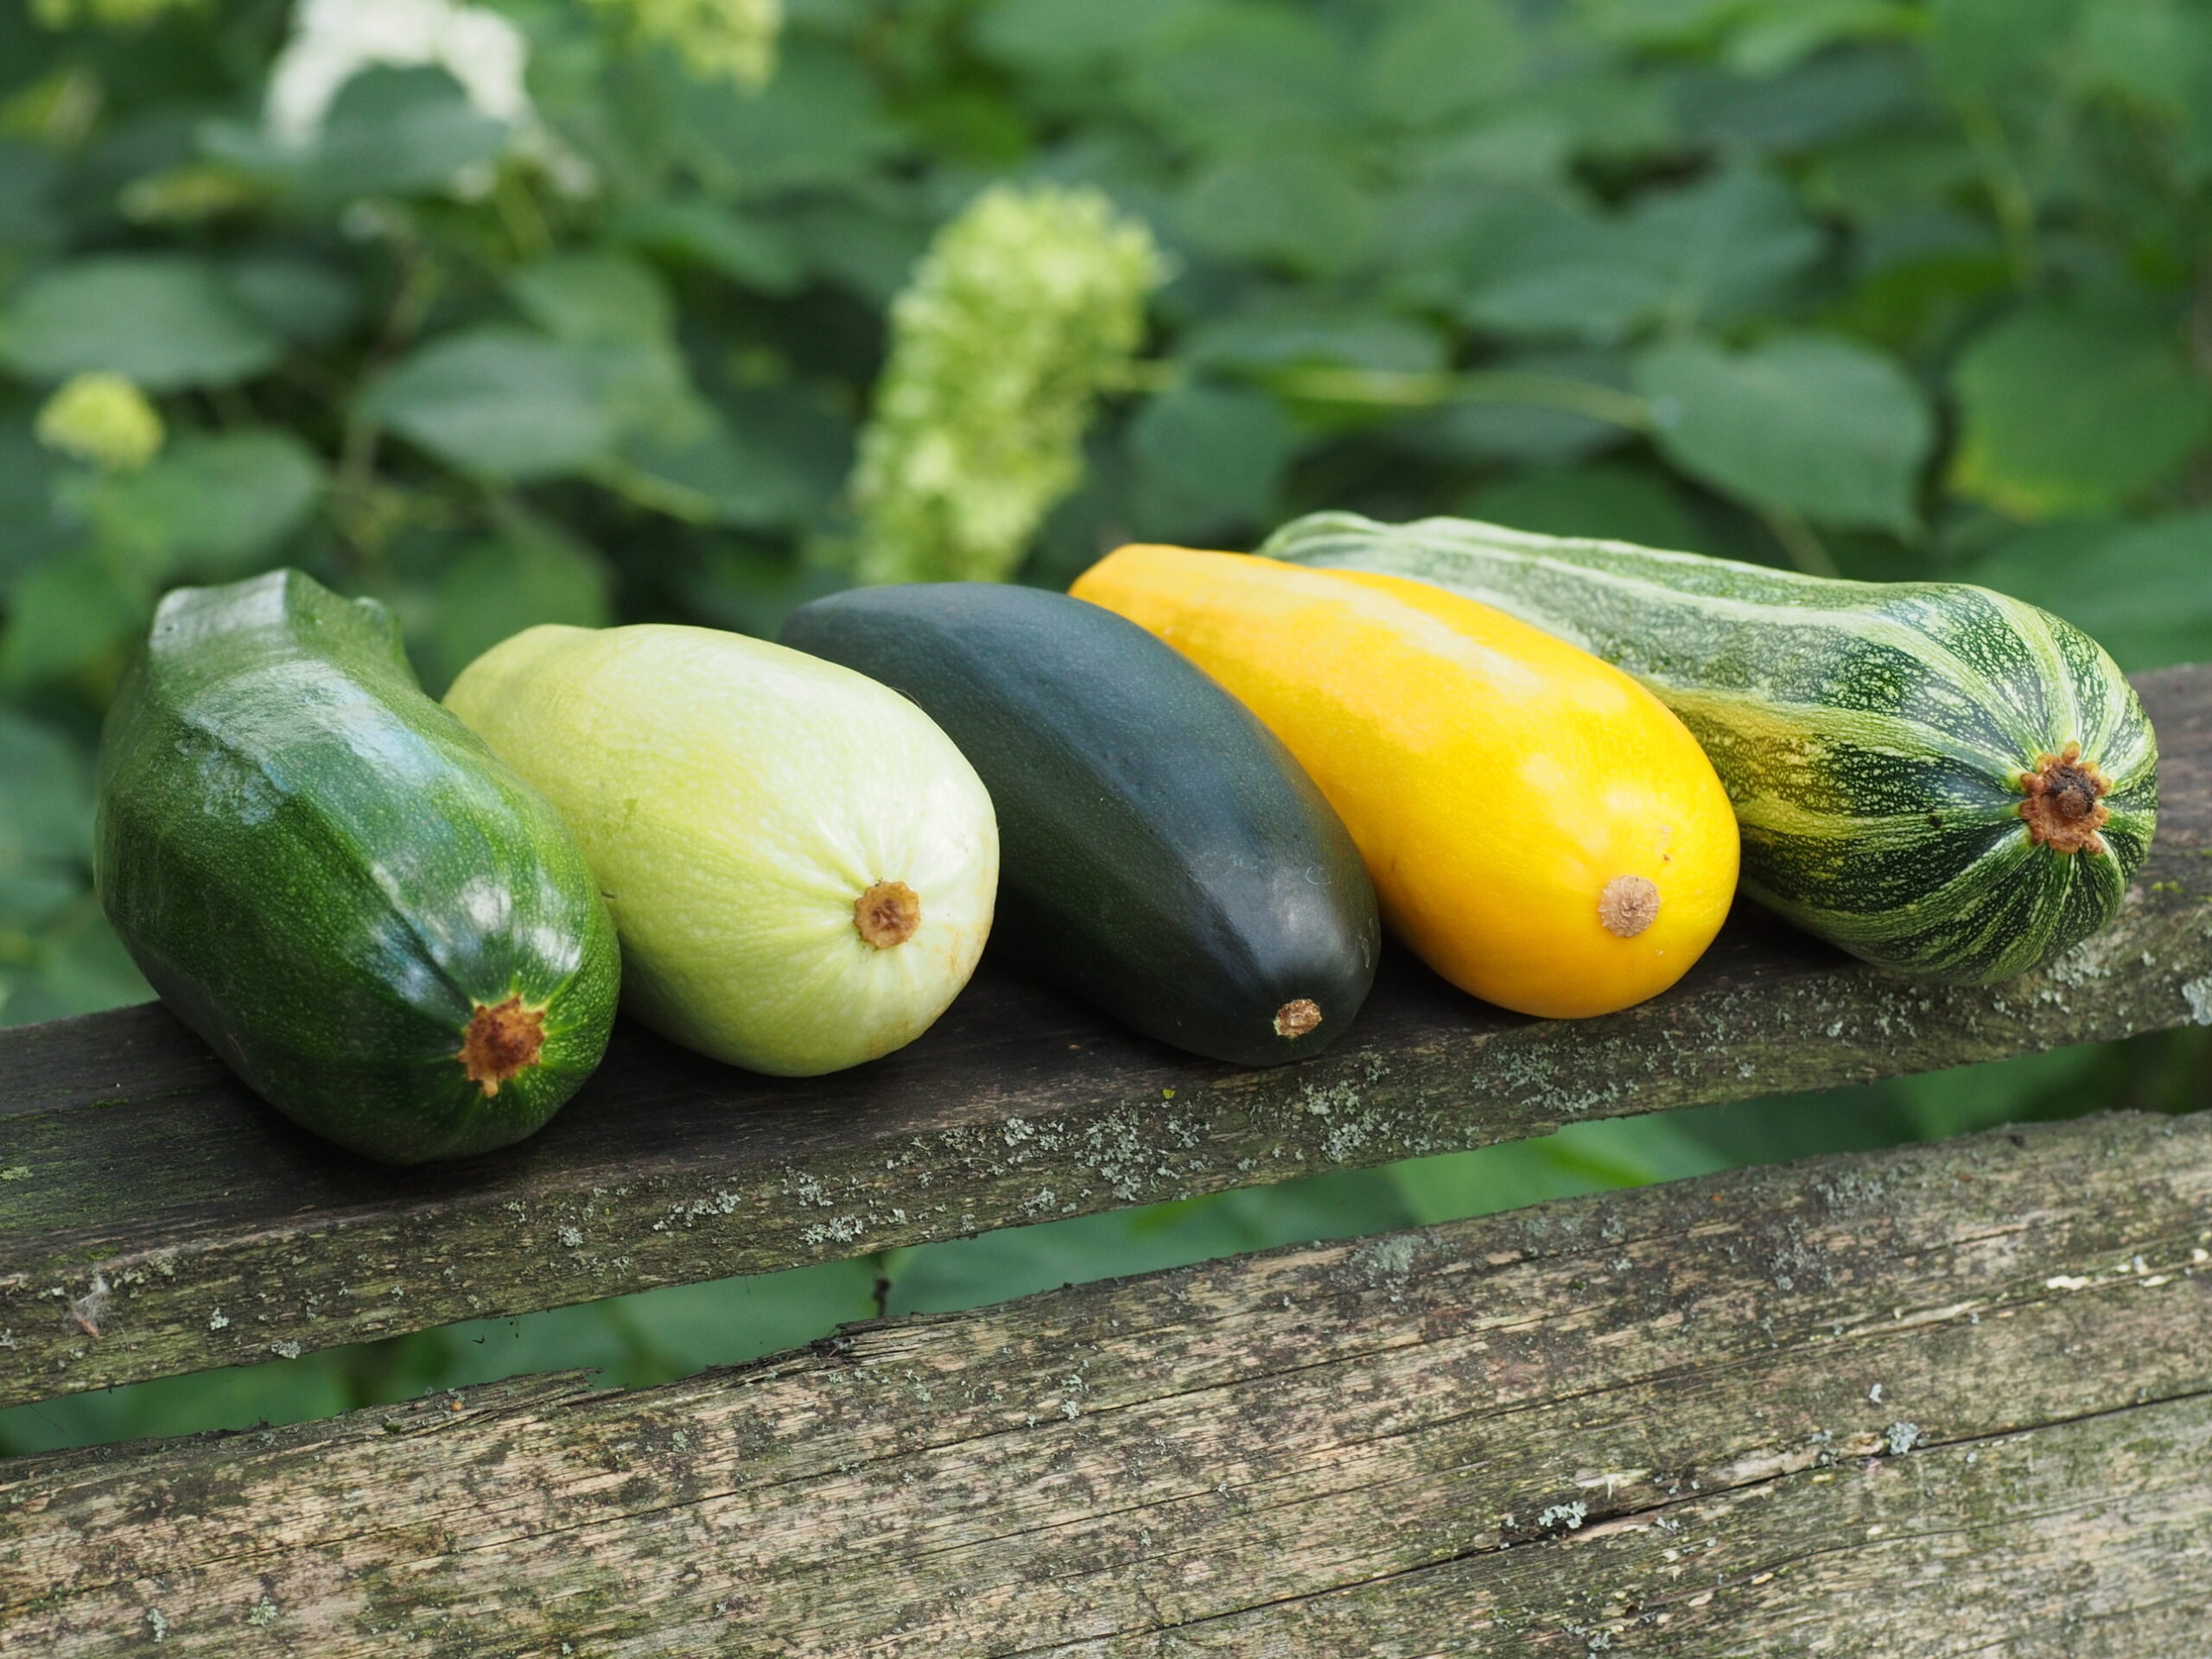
[(1297, 1017), (503, 1039), (1627, 906), (887, 914), (2063, 811)]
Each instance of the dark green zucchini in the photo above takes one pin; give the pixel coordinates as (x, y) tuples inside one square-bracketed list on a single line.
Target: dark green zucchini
[(1161, 853), (388, 934)]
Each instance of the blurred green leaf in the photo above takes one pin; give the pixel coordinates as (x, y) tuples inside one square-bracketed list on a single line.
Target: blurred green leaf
[(396, 131), (1279, 338), (1439, 60), (772, 470), (33, 528), (1802, 423), (818, 123), (1834, 97), (595, 297), (46, 797), (1234, 74), (2072, 410), (304, 300), (1976, 45), (28, 220), (2143, 591), (533, 574), (165, 321), (1612, 502), (972, 1272), (1067, 34), (67, 614), (211, 503), (2152, 53), (1305, 209), (1209, 453), (495, 401), (747, 248), (1705, 252)]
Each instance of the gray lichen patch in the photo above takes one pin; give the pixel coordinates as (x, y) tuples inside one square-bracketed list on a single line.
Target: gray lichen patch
[(2196, 993)]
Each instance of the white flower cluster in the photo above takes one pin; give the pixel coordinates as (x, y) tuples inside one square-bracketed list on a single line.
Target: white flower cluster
[(1024, 306), (717, 40), (332, 41)]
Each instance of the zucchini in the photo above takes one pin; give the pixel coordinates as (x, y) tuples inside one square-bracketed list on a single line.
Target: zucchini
[(801, 867), (1540, 831), (1936, 777), (1163, 855), (387, 934)]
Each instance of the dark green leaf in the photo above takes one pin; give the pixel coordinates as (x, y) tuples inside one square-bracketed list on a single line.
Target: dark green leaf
[(1441, 60), (495, 401), (595, 298), (748, 250), (29, 219), (1802, 424), (46, 797), (399, 132), (2154, 54), (531, 575), (773, 471), (1233, 73), (304, 300), (33, 528), (1979, 44), (2143, 591), (1305, 209), (1211, 454), (818, 123), (1281, 338), (164, 320), (67, 614), (2072, 410), (214, 505), (1614, 503), (1068, 34)]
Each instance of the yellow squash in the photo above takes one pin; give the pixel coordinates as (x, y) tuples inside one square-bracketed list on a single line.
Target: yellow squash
[(1542, 830)]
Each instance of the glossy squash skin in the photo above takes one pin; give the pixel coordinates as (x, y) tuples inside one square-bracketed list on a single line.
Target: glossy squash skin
[(800, 865), (385, 932), (1162, 854), (1540, 829), (1935, 777)]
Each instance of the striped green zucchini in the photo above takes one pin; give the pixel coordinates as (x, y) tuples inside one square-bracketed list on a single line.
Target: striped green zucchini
[(1936, 777)]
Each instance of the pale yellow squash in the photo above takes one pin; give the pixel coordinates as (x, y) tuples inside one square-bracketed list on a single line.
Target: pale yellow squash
[(1542, 830), (801, 866)]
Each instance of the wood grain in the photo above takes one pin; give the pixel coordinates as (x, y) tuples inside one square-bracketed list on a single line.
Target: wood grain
[(162, 1220), (1942, 1400)]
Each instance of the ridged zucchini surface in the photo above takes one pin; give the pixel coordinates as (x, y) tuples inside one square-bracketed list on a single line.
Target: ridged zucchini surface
[(1937, 778), (387, 933)]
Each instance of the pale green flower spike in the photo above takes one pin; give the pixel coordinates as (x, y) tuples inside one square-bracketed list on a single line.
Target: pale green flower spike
[(717, 40), (1024, 306), (102, 418)]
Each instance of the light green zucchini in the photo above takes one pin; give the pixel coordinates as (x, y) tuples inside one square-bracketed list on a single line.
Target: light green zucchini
[(1935, 777)]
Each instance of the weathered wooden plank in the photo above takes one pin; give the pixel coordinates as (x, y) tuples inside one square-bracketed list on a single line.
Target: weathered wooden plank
[(163, 1221), (1951, 1399)]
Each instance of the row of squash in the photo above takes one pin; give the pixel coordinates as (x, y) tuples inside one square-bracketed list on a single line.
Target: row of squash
[(1192, 791)]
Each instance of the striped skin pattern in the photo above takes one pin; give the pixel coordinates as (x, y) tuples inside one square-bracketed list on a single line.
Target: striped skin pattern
[(1872, 736)]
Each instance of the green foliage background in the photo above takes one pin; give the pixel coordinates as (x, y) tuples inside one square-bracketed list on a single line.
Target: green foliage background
[(1887, 288)]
